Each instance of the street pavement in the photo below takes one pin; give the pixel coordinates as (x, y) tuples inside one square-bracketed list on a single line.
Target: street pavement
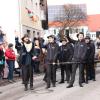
[(16, 91)]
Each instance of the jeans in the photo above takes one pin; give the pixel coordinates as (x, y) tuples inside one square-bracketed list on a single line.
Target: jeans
[(11, 66)]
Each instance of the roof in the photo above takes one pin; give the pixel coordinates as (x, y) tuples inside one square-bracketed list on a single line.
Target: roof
[(55, 24), (59, 24), (93, 23)]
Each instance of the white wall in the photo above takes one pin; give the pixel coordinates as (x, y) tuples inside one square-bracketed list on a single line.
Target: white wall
[(9, 17)]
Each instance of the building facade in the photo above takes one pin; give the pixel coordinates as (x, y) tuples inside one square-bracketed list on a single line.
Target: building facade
[(21, 17), (57, 15), (30, 17)]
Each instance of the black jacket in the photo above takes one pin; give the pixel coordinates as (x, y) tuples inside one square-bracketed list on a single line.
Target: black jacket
[(66, 52), (90, 52), (25, 57), (80, 50), (52, 51)]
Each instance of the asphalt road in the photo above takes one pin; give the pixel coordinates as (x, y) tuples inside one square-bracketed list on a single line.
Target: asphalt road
[(16, 91)]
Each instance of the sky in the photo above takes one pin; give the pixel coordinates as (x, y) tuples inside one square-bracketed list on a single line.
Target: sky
[(9, 17), (93, 6)]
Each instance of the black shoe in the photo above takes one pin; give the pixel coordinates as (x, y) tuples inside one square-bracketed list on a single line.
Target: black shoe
[(45, 79), (61, 82), (54, 85), (26, 88), (83, 81), (22, 82), (31, 88), (47, 87), (86, 82), (69, 86), (94, 79), (80, 84)]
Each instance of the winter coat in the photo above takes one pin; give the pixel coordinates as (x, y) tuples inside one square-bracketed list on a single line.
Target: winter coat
[(66, 52), (90, 55), (52, 52), (10, 54), (80, 50), (25, 57)]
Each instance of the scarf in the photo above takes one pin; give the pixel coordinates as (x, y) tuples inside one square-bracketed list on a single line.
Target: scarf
[(28, 46)]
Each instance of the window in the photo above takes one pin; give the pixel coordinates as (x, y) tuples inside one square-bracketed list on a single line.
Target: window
[(54, 31), (28, 31), (76, 30), (33, 32), (82, 30), (38, 33)]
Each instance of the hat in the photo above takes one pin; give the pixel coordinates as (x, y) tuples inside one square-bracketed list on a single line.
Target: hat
[(52, 36), (36, 38), (10, 45), (25, 35), (79, 34), (64, 39), (87, 37)]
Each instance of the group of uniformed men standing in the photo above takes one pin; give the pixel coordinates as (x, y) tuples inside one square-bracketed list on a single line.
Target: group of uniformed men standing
[(70, 55)]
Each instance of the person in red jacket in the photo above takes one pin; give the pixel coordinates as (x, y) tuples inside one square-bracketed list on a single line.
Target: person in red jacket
[(10, 59)]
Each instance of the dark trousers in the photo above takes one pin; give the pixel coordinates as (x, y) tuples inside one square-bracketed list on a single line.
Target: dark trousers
[(90, 71), (36, 65), (27, 74), (66, 69), (22, 74), (45, 75), (86, 68), (81, 73), (51, 74), (11, 66)]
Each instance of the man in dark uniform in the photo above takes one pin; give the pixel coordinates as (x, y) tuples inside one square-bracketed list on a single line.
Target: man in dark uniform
[(90, 70), (65, 55), (79, 56), (51, 57)]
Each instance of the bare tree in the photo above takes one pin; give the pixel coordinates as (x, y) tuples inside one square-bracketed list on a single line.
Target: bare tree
[(72, 16)]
